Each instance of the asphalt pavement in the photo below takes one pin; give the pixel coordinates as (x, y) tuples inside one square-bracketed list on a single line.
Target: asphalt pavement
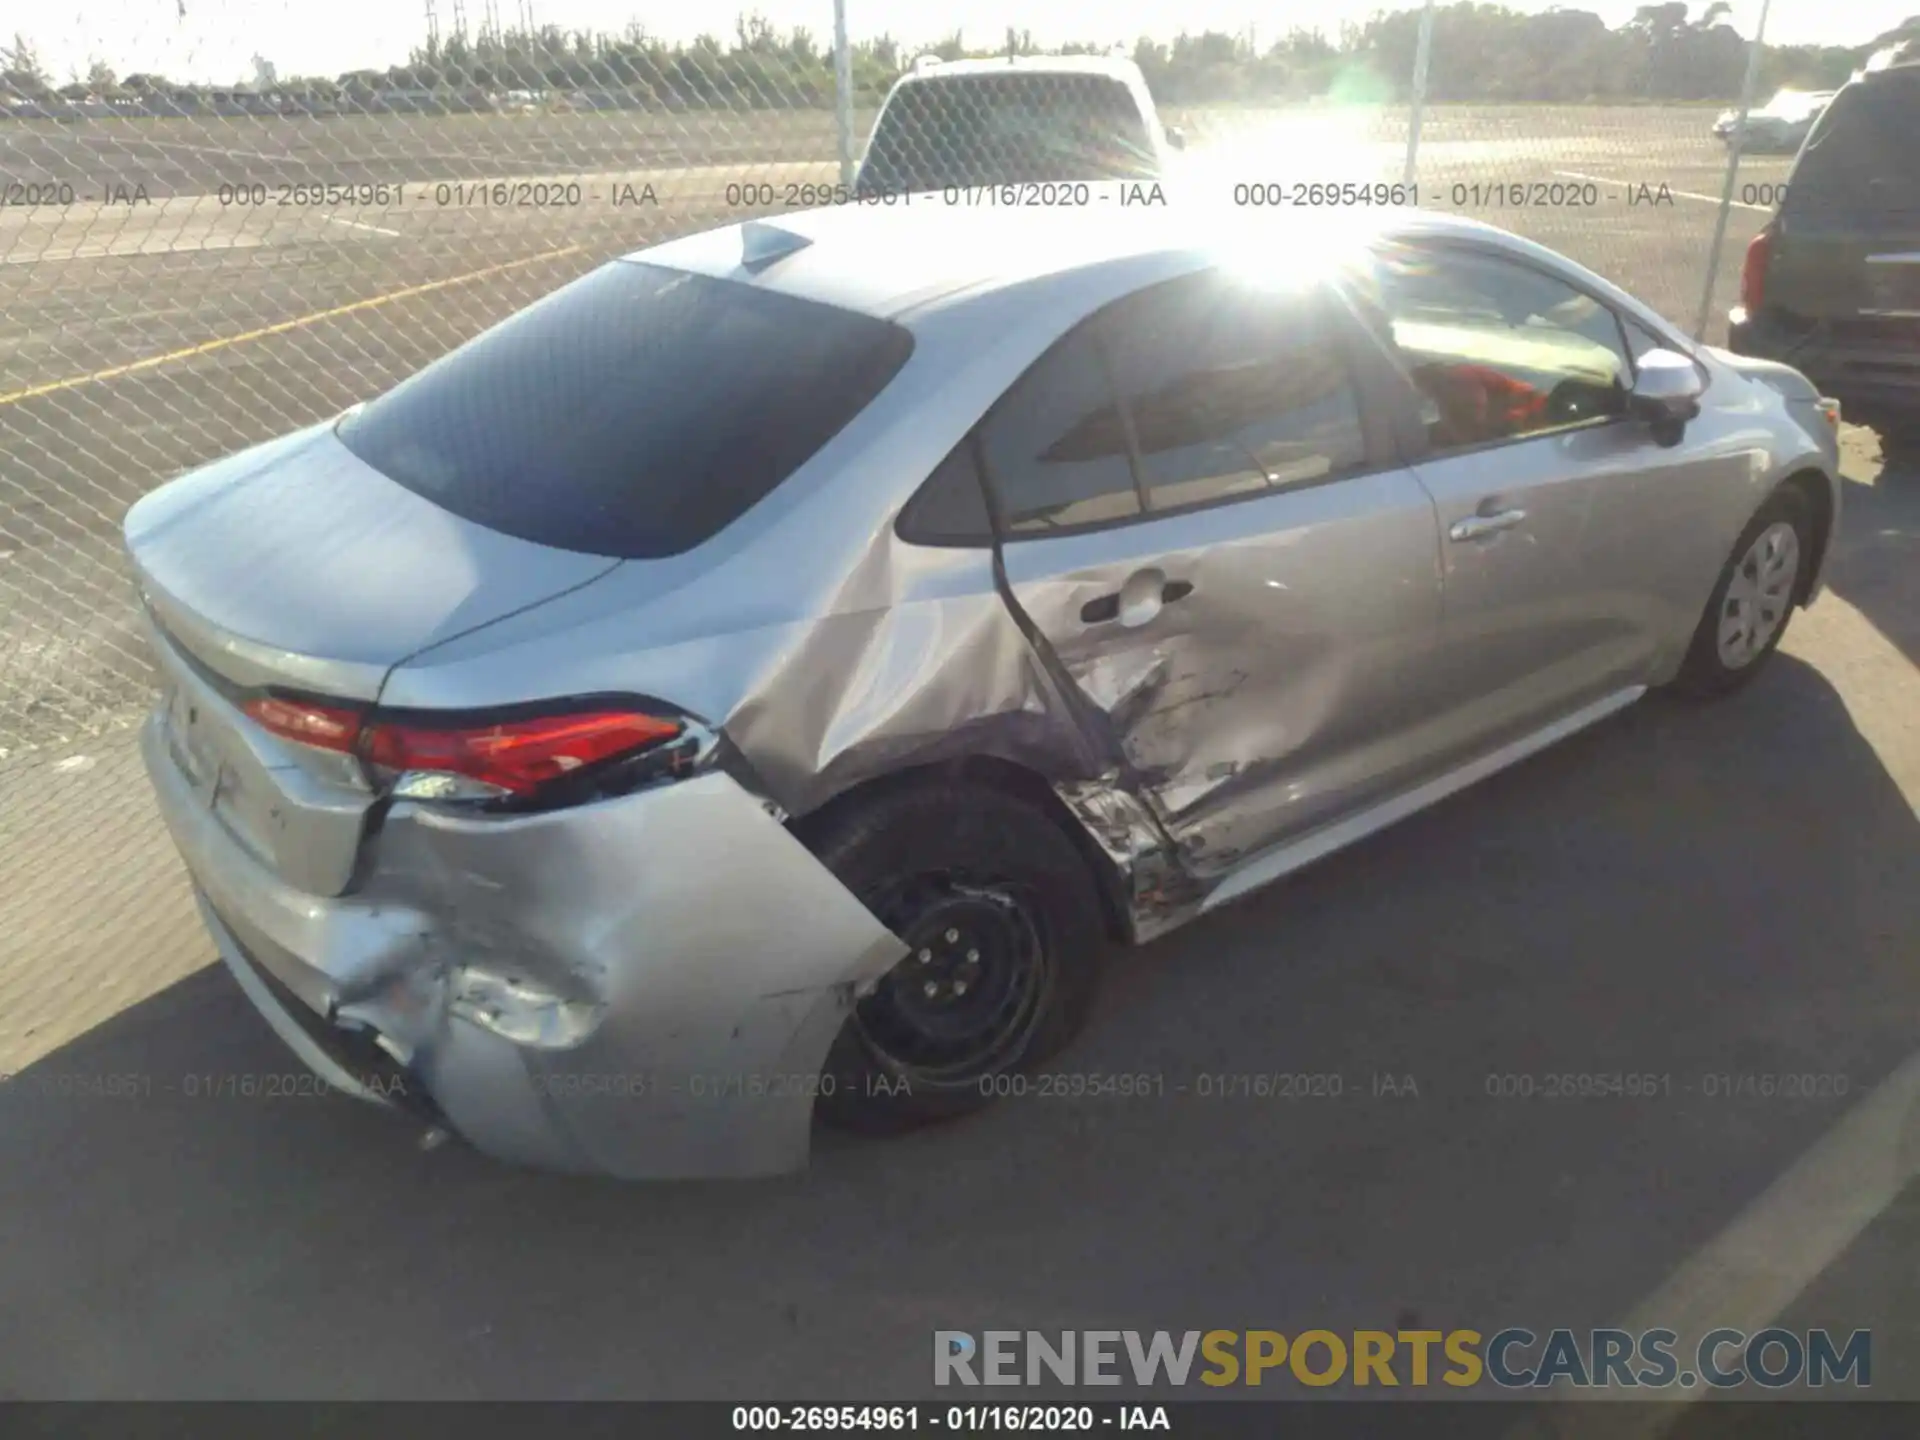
[(1691, 893), (1697, 894)]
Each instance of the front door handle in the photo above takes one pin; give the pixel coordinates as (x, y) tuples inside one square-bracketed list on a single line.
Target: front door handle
[(1478, 527)]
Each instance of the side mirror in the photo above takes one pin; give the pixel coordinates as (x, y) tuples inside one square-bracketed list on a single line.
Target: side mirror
[(1176, 137), (1666, 394)]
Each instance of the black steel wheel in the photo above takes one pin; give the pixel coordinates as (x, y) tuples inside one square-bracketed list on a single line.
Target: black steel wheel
[(1004, 936)]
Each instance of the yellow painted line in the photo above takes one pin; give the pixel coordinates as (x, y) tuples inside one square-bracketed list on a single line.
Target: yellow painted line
[(209, 346)]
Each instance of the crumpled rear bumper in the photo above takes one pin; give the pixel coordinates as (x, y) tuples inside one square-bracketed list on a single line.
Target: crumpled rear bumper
[(644, 987)]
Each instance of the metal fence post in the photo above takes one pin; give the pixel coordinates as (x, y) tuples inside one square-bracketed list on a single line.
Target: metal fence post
[(843, 90), (1734, 144), (1423, 51)]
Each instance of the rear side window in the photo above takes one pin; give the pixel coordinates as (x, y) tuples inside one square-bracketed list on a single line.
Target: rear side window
[(634, 413), (966, 130), (951, 508), (1056, 445), (1232, 392), (1192, 392), (1862, 151)]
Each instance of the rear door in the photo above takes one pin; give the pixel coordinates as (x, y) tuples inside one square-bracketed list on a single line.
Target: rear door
[(1203, 523), (1846, 252)]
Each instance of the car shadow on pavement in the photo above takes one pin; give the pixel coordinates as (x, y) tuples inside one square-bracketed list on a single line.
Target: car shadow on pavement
[(1876, 562), (1684, 893)]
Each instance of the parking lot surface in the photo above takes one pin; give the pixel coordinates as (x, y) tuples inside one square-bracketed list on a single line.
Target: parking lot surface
[(1695, 894)]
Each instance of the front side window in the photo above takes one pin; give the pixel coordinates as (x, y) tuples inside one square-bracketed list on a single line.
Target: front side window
[(1497, 350)]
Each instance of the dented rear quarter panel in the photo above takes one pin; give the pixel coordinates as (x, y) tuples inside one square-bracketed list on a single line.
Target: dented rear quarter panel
[(826, 649), (683, 930)]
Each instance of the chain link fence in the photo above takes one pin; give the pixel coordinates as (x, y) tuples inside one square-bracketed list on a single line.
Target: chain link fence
[(187, 270)]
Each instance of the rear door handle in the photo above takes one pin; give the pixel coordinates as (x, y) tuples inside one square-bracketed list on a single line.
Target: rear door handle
[(1478, 527), (1107, 607)]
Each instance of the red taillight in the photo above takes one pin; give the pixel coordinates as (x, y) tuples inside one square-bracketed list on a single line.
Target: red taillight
[(518, 756), (325, 727), (1753, 271)]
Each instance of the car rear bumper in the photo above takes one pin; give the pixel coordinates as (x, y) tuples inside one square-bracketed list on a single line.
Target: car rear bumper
[(644, 987), (1875, 378)]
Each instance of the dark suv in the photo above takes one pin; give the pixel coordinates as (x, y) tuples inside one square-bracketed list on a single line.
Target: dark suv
[(1831, 286)]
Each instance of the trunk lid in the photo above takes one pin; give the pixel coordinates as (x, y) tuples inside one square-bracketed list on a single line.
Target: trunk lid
[(295, 566)]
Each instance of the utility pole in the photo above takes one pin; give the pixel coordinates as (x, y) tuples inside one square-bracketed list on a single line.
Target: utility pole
[(843, 92), (1423, 53), (1736, 142)]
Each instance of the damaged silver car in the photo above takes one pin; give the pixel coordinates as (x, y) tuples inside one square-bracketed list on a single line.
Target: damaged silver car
[(761, 679)]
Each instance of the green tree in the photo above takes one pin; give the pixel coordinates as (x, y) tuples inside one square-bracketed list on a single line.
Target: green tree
[(1482, 52), (21, 72)]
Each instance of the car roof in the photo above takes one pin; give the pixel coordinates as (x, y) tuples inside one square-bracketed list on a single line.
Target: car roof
[(1117, 66), (922, 253)]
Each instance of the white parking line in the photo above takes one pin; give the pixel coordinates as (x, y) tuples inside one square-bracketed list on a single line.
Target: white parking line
[(362, 225), (1683, 194), (1747, 1275), (129, 141)]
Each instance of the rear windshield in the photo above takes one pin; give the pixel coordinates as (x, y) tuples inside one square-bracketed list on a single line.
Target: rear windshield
[(1863, 150), (634, 413), (1005, 129)]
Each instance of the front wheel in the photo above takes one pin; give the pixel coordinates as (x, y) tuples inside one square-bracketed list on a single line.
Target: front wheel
[(1753, 599), (1005, 938)]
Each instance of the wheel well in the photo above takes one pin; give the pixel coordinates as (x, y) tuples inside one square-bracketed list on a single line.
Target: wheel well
[(1008, 778), (1813, 485)]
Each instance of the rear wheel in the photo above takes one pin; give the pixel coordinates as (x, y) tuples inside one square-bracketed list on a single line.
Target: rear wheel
[(1005, 939), (1761, 583)]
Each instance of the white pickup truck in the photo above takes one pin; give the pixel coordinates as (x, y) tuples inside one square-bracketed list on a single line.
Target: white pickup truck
[(1021, 120)]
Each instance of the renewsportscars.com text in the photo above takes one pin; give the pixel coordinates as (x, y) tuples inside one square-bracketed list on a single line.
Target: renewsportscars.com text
[(1512, 1358)]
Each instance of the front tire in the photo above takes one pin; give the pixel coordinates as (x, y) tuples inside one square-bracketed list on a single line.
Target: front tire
[(1763, 579), (1006, 937)]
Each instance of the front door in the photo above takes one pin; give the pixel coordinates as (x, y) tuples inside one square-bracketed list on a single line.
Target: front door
[(1549, 498)]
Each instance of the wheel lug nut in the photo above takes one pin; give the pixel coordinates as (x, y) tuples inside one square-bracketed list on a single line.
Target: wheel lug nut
[(952, 935), (930, 989), (959, 987), (925, 956), (973, 957)]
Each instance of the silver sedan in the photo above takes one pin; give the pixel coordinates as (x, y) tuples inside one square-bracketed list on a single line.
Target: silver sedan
[(759, 681)]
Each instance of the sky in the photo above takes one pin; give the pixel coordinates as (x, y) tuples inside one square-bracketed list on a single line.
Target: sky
[(214, 41)]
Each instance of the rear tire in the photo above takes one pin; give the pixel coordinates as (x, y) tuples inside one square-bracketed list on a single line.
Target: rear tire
[(1753, 600), (1006, 937)]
